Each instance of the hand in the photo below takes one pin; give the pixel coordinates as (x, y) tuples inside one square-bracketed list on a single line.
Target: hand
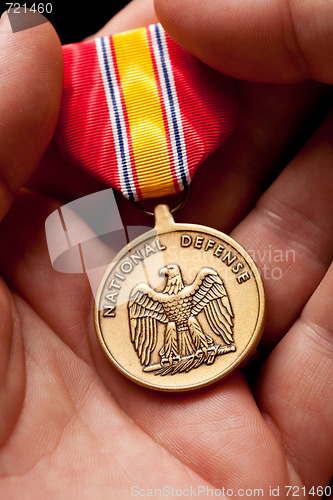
[(72, 427)]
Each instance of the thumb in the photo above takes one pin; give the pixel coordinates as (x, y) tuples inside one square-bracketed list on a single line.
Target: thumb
[(30, 91), (276, 41)]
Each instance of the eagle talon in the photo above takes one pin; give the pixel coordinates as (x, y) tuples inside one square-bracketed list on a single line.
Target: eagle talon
[(175, 359), (165, 362), (170, 361), (212, 350)]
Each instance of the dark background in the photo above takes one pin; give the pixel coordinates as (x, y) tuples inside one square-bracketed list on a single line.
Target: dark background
[(74, 19)]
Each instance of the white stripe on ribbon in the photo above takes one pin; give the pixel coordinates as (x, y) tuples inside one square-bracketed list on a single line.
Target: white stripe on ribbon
[(116, 113), (171, 103)]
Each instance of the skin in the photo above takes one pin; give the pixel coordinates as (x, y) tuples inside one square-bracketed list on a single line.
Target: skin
[(70, 425)]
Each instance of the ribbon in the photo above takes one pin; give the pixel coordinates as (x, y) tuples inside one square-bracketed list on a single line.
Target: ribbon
[(140, 113)]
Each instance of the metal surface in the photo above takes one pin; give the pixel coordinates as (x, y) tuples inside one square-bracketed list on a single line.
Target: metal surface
[(180, 307)]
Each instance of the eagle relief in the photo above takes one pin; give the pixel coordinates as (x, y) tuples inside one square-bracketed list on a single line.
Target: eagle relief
[(186, 343)]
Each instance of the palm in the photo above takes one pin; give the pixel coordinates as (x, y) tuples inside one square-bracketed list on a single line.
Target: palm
[(74, 427)]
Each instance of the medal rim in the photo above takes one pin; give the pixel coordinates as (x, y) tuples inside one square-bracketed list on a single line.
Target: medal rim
[(256, 335)]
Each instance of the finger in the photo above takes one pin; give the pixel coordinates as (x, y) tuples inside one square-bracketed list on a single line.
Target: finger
[(63, 301), (228, 184), (61, 180), (12, 366), (136, 14), (268, 41), (290, 232), (295, 390), (30, 90), (217, 432)]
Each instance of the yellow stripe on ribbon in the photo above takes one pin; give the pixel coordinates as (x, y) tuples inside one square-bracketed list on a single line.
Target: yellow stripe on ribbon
[(145, 118)]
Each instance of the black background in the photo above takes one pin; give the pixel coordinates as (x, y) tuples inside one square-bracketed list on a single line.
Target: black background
[(74, 19)]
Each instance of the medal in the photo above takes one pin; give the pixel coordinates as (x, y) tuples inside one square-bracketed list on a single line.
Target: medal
[(182, 305)]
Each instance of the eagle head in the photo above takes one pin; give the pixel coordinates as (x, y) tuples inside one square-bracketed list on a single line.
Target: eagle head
[(171, 271), (175, 281)]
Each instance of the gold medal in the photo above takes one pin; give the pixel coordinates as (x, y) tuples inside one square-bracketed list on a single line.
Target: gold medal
[(180, 307)]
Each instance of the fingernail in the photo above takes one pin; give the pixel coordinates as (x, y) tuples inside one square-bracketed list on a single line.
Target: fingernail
[(3, 17), (4, 24)]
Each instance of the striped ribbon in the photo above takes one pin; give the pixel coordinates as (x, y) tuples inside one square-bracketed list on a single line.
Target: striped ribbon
[(140, 113)]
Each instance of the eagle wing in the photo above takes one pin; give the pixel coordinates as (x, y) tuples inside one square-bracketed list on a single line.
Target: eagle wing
[(209, 294), (145, 310)]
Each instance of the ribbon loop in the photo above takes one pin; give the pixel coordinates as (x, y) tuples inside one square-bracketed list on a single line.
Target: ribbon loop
[(140, 113)]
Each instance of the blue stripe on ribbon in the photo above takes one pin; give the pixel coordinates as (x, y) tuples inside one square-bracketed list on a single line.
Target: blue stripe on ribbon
[(172, 107), (118, 122)]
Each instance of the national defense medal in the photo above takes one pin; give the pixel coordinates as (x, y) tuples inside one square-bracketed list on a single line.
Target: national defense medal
[(180, 307)]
